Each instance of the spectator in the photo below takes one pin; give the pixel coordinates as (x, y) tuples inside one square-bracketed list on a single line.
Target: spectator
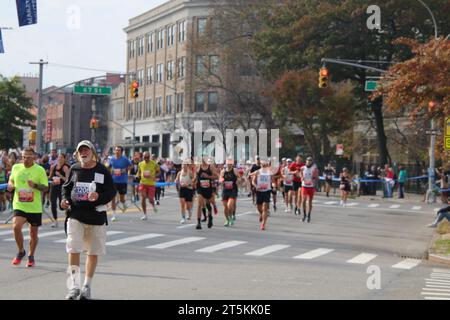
[(401, 182)]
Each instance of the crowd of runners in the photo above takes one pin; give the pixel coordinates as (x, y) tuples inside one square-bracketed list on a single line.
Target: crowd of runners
[(85, 186)]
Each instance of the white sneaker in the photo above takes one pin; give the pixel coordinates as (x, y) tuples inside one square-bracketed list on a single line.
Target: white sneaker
[(113, 219), (183, 221), (124, 207), (286, 210), (55, 224), (341, 203), (432, 225), (144, 218)]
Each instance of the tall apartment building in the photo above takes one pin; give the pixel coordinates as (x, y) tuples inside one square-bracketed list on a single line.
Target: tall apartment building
[(157, 57)]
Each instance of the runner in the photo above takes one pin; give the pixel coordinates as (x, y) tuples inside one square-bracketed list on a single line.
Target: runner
[(205, 178), (328, 174), (46, 165), (262, 181), (281, 180), (119, 166), (276, 175), (345, 186), (288, 186), (147, 171), (185, 181), (133, 172), (87, 191), (215, 185), (228, 179), (294, 169), (28, 180), (310, 176), (255, 167), (58, 175)]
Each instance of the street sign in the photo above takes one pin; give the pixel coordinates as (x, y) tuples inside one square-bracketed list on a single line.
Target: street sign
[(433, 132), (371, 85), (104, 91), (447, 134)]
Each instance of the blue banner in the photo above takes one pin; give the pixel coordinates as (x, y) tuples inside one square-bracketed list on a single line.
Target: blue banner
[(2, 50), (27, 12)]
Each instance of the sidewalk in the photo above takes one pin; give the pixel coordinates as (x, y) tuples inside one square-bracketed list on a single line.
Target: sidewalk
[(409, 197), (439, 251)]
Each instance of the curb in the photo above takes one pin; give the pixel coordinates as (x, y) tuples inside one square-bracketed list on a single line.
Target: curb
[(439, 259)]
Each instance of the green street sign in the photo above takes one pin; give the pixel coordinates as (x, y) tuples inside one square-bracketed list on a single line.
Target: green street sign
[(103, 91), (371, 85)]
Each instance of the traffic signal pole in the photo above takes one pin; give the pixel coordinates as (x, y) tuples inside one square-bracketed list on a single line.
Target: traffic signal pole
[(39, 109)]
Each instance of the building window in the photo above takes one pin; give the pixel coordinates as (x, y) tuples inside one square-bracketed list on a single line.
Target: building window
[(170, 70), (168, 104), (201, 26), (160, 73), (171, 35), (158, 110), (160, 42), (139, 110), (180, 102), (140, 46), (140, 78), (213, 100), (145, 138), (200, 65), (181, 66), (150, 42), (149, 75), (181, 31), (132, 48), (148, 108), (199, 102), (214, 65), (130, 111)]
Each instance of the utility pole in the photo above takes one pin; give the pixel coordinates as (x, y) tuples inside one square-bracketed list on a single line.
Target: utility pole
[(38, 118)]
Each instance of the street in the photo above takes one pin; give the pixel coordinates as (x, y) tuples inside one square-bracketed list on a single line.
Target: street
[(369, 250)]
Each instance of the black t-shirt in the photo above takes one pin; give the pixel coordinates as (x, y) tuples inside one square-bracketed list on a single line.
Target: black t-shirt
[(76, 190), (254, 168), (329, 173)]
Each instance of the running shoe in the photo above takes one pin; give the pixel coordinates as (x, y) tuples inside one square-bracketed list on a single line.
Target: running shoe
[(18, 259), (183, 221), (155, 209), (73, 294), (30, 263), (286, 210), (432, 225), (210, 221), (204, 219), (232, 220), (309, 218), (227, 223), (113, 219), (199, 226), (274, 207), (85, 293), (304, 218), (124, 207), (215, 210), (262, 227), (144, 217)]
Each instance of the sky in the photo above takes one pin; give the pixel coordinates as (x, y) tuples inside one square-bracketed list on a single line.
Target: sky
[(81, 33)]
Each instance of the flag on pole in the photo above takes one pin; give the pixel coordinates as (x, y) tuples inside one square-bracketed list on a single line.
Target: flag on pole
[(2, 50), (27, 12)]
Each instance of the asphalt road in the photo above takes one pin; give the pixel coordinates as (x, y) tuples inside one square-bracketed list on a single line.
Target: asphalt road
[(369, 250)]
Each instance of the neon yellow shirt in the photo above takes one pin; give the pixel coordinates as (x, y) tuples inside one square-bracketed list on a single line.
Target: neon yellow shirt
[(27, 199), (148, 172)]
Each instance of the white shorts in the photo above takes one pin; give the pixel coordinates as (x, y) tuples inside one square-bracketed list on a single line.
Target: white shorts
[(85, 238)]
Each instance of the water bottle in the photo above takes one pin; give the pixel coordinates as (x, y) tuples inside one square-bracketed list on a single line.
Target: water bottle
[(92, 187)]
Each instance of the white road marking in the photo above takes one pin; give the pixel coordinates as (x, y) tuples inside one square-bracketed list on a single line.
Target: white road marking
[(438, 286), (267, 250), (436, 293), (133, 239), (363, 258), (394, 206), (352, 204), (108, 233), (407, 264), (438, 280), (11, 232), (436, 298), (331, 202), (174, 243), (416, 208), (221, 246), (373, 205), (40, 235), (440, 290), (314, 254)]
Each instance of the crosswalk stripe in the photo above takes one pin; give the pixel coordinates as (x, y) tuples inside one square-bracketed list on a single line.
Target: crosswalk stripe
[(221, 246), (395, 206), (133, 239), (439, 290), (174, 243), (11, 232), (352, 204), (40, 235), (416, 208), (441, 276), (108, 233), (363, 258), (373, 205), (438, 281), (438, 286), (407, 264), (314, 254), (331, 202), (436, 293), (436, 298), (441, 270), (267, 250)]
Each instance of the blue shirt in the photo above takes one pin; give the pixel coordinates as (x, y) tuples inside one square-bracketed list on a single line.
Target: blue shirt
[(119, 169)]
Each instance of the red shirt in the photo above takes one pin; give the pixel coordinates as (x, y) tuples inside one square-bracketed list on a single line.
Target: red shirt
[(296, 167), (390, 174)]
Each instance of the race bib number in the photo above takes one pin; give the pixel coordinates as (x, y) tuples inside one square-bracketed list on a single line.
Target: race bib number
[(205, 183), (117, 172), (288, 181), (81, 191), (26, 195), (308, 182), (228, 185), (56, 180), (147, 174), (184, 184), (263, 186)]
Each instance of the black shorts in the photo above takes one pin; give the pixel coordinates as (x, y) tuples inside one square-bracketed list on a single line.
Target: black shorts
[(186, 194), (297, 185), (34, 219), (263, 197), (328, 181), (206, 193), (288, 188), (229, 194), (121, 188), (274, 191)]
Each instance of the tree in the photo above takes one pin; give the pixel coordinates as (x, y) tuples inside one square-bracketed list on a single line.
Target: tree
[(323, 114), (421, 85), (15, 111), (298, 34)]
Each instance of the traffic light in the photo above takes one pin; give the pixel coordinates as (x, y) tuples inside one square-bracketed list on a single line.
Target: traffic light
[(32, 137), (323, 78), (93, 124), (134, 90)]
